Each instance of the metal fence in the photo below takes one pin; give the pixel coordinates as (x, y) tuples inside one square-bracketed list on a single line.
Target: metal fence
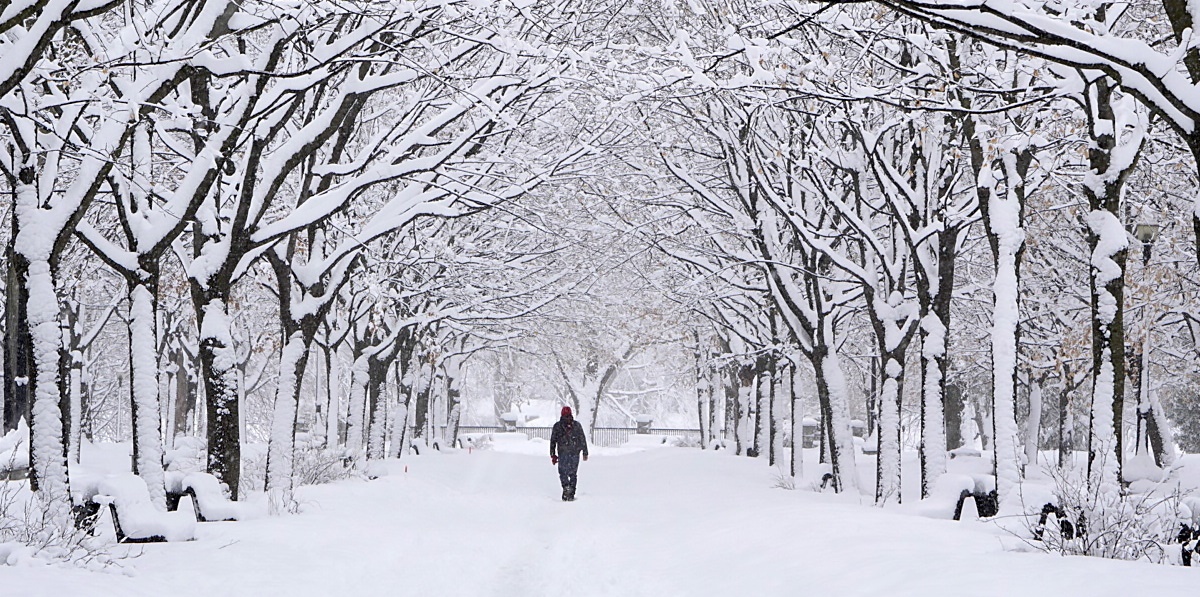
[(600, 436)]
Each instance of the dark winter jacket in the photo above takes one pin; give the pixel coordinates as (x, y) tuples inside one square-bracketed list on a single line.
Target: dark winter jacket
[(568, 438)]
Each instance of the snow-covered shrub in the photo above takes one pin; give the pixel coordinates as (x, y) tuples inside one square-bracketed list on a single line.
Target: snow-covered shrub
[(783, 479), (29, 533), (314, 466), (476, 441), (1136, 526), (190, 454), (254, 472)]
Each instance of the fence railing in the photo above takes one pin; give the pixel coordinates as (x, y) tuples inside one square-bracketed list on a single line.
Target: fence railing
[(600, 436)]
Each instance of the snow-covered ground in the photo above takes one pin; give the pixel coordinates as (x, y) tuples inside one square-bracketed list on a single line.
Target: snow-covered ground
[(657, 522)]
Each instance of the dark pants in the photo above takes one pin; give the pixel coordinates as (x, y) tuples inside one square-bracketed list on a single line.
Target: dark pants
[(568, 465)]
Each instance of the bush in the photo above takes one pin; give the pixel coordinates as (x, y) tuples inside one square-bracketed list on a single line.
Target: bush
[(314, 466), (27, 530), (1138, 526)]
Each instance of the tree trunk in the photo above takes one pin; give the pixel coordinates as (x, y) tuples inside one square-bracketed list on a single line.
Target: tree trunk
[(835, 412), (281, 445), (377, 370), (422, 386), (887, 473), (333, 387), (220, 371), (778, 408), (1066, 429), (954, 417), (48, 472), (1107, 244), (744, 395), (454, 374), (185, 392), (143, 388), (358, 405), (1004, 223), (703, 393), (400, 435), (18, 345), (935, 291), (1033, 425), (762, 409), (797, 464), (731, 385), (933, 419)]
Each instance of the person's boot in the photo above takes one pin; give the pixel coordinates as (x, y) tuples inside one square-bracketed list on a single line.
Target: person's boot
[(570, 494), (567, 494)]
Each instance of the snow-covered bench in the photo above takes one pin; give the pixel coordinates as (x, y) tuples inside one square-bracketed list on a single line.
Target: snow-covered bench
[(135, 519), (208, 498), (14, 454)]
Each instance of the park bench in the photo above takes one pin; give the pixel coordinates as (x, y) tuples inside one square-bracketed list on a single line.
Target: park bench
[(134, 517), (986, 502), (207, 496), (1189, 542), (1068, 528)]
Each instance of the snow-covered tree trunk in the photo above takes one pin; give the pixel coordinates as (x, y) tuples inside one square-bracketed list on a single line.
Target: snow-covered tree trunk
[(220, 363), (1159, 429), (400, 415), (731, 386), (49, 463), (703, 390), (358, 405), (1108, 243), (1066, 430), (35, 241), (281, 445), (1033, 425), (145, 406), (74, 377), (797, 412), (887, 475), (75, 431), (377, 400), (18, 346), (835, 409), (762, 409), (933, 419), (1005, 224), (745, 396), (422, 386), (1117, 136), (333, 387), (453, 368), (779, 408), (713, 380)]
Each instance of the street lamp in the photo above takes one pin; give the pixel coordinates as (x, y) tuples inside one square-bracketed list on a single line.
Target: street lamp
[(1146, 234)]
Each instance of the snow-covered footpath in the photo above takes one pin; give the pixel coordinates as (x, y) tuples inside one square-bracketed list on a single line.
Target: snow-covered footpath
[(657, 522)]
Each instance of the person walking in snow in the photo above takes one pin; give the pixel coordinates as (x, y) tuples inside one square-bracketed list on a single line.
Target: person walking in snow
[(566, 442)]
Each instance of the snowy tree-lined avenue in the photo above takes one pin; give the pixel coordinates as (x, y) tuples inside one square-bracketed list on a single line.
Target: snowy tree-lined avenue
[(283, 242)]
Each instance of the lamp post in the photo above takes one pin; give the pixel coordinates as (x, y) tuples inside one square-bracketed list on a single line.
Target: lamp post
[(1146, 234)]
